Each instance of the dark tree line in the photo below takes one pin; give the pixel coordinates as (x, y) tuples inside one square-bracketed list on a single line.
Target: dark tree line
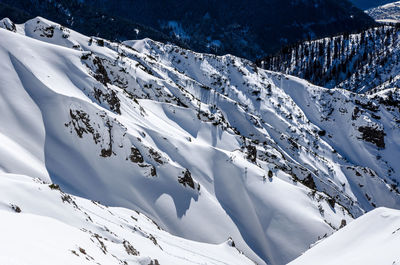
[(333, 61)]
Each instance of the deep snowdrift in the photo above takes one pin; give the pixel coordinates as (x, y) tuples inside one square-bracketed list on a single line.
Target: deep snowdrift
[(43, 225), (209, 147)]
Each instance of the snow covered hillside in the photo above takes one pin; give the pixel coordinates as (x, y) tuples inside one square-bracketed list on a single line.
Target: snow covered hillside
[(209, 147), (389, 13), (49, 225), (372, 239)]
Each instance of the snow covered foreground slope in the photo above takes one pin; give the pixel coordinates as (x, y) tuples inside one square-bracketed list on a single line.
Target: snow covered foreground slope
[(40, 224), (209, 147), (372, 239)]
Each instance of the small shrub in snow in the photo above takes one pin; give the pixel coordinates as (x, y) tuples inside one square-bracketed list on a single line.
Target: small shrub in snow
[(136, 156), (154, 262), (187, 179), (83, 251), (16, 208), (252, 153), (270, 174), (373, 135), (100, 43), (331, 202), (54, 186), (309, 182), (343, 223), (130, 249)]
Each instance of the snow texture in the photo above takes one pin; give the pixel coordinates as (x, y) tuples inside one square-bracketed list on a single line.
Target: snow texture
[(372, 239), (208, 147)]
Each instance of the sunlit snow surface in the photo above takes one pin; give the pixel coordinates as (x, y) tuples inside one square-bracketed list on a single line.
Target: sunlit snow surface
[(372, 239), (53, 227), (187, 139)]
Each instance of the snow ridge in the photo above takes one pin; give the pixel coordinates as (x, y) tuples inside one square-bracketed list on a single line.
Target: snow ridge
[(209, 147), (372, 239)]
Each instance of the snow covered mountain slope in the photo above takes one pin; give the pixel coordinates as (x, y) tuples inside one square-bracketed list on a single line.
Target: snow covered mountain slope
[(48, 224), (389, 13), (209, 147), (372, 239), (367, 61)]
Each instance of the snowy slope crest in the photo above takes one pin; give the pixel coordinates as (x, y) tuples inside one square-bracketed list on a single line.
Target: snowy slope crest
[(209, 147), (371, 239)]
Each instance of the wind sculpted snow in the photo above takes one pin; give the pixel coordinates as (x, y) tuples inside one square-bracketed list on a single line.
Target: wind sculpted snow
[(209, 147), (372, 239), (54, 226)]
